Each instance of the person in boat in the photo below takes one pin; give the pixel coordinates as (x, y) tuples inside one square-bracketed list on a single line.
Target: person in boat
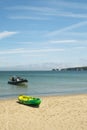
[(13, 79), (18, 79)]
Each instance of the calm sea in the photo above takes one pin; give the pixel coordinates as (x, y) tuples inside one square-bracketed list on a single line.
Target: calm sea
[(44, 83)]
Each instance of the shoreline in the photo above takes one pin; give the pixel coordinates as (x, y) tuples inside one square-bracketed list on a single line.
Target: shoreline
[(41, 95), (66, 112)]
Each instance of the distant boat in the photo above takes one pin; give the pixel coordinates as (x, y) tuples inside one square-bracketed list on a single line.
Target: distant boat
[(17, 80)]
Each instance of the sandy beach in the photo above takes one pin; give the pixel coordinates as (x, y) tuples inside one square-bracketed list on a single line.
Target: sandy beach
[(54, 113)]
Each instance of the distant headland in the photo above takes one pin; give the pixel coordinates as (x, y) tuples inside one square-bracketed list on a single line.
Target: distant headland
[(72, 69)]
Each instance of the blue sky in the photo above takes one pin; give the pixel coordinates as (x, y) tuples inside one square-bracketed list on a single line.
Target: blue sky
[(42, 34)]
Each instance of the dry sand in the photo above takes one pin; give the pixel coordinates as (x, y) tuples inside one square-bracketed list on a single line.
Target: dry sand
[(54, 113)]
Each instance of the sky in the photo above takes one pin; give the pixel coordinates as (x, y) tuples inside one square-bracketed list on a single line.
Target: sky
[(43, 34)]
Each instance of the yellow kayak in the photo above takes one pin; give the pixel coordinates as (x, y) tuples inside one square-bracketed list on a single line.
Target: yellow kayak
[(28, 100)]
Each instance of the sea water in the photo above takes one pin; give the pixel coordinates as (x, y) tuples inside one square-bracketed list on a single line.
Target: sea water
[(44, 83)]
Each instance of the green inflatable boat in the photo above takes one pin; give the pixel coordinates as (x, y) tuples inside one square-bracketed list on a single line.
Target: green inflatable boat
[(28, 100)]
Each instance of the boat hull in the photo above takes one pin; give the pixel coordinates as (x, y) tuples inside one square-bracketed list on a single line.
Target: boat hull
[(17, 82)]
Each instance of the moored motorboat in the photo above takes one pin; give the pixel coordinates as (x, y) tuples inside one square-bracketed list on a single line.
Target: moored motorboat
[(29, 100), (17, 80)]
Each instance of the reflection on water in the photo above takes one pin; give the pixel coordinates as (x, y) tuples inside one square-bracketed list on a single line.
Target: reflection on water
[(22, 85)]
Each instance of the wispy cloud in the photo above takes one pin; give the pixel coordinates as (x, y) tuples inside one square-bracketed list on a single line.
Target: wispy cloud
[(71, 27), (80, 47), (60, 9), (6, 34), (28, 17), (73, 33), (25, 43), (69, 14), (47, 50), (31, 8), (63, 41), (25, 51), (60, 4), (12, 51), (74, 5), (78, 41), (45, 13)]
